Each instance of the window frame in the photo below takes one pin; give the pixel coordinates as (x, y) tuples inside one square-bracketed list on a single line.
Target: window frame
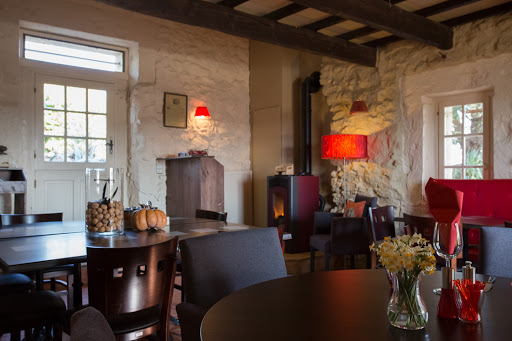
[(484, 97), (67, 39)]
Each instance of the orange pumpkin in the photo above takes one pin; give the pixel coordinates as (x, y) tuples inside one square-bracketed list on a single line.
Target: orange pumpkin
[(148, 218)]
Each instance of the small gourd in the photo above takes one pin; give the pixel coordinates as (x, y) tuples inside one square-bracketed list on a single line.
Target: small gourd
[(148, 217)]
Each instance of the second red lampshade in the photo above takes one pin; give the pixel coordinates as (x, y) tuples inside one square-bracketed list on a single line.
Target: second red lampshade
[(202, 112), (350, 146)]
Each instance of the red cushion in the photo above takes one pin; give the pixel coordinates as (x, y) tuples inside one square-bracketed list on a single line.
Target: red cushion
[(358, 208)]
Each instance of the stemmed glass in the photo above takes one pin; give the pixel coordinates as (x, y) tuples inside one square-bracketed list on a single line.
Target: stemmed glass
[(441, 245)]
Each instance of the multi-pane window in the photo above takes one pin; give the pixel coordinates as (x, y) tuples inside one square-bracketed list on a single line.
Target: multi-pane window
[(463, 139), (75, 124)]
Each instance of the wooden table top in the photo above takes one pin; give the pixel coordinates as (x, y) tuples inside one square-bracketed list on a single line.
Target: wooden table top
[(344, 305), (40, 246)]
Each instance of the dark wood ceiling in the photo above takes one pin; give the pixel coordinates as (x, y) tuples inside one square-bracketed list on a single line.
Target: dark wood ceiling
[(349, 30)]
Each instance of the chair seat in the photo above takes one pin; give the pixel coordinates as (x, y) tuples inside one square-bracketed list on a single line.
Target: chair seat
[(33, 309), (129, 322), (14, 283), (321, 242)]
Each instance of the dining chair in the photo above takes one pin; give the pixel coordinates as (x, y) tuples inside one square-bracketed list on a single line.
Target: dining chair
[(349, 236), (89, 324), (220, 216), (47, 275), (216, 265), (382, 223), (41, 310), (370, 202), (495, 251), (320, 240), (416, 224), (132, 287)]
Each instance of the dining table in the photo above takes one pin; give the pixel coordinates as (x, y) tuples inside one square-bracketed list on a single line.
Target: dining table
[(346, 305), (29, 248)]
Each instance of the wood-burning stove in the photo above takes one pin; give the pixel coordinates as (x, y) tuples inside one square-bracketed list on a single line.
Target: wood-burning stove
[(292, 201)]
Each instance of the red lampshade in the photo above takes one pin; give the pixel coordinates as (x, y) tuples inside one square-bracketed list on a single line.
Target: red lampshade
[(349, 146), (359, 107), (202, 112)]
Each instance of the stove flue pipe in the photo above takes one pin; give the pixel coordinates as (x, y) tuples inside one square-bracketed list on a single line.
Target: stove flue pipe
[(310, 85)]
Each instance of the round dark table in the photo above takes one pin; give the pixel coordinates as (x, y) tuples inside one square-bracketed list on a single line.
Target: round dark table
[(345, 305)]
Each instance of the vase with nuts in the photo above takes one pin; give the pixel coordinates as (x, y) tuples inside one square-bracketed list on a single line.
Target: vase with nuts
[(104, 195)]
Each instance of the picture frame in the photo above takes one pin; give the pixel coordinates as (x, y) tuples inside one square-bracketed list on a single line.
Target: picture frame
[(175, 110)]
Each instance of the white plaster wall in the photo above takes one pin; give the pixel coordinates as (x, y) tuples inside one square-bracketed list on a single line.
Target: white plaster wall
[(211, 68), (406, 71)]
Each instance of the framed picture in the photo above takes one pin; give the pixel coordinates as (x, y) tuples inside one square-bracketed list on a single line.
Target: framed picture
[(175, 110)]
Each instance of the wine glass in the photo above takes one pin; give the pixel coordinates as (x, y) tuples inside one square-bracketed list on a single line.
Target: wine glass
[(442, 232)]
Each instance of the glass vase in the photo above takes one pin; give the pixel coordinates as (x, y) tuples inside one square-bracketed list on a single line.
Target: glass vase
[(104, 197), (406, 308)]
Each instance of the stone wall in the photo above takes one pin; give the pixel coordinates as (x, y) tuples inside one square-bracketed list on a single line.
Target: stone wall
[(393, 90), (211, 68)]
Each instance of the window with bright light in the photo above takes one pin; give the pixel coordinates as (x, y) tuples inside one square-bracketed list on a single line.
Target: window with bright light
[(464, 150), (75, 124), (73, 54)]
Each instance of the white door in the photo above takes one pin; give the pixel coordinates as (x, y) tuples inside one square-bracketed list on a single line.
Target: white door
[(74, 127)]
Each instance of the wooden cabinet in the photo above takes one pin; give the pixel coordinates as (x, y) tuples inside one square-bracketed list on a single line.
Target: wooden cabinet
[(194, 182)]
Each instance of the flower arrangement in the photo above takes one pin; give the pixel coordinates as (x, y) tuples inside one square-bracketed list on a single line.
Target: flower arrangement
[(406, 258)]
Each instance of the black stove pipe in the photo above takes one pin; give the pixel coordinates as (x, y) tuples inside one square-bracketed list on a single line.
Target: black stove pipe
[(310, 85)]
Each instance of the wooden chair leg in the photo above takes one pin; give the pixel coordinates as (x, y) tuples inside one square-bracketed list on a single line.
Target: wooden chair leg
[(352, 261), (15, 336), (312, 260), (327, 261)]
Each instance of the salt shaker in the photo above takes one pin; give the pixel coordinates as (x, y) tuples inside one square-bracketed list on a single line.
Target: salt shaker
[(469, 272)]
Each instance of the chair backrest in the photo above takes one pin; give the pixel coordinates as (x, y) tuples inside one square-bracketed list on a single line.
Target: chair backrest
[(216, 265), (13, 219), (423, 225), (370, 202), (220, 216), (127, 280), (349, 236), (322, 222), (382, 222), (495, 251)]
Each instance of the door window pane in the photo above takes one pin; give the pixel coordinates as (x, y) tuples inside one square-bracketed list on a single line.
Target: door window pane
[(453, 120), (474, 151), (53, 123), (453, 151), (98, 126), (76, 150), (97, 151), (53, 96), (76, 124), (474, 118), (74, 134), (75, 98), (97, 101), (53, 149)]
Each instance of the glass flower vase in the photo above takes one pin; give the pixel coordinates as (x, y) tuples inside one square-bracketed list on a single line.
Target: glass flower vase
[(406, 308)]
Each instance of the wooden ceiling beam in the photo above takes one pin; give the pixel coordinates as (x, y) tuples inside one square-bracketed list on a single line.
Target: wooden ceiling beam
[(285, 11), (230, 21), (231, 3), (380, 15), (485, 13), (425, 12)]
